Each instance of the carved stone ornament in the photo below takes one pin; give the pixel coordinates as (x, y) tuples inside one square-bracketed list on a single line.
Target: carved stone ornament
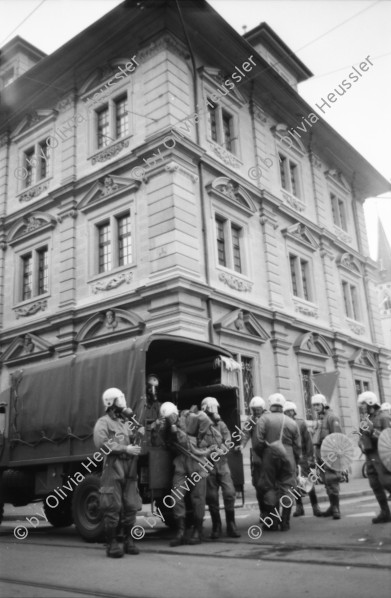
[(109, 186), (112, 283), (356, 328), (316, 161), (235, 283), (109, 152), (350, 263), (342, 236), (306, 310), (293, 202), (65, 103), (33, 192), (225, 155), (29, 310)]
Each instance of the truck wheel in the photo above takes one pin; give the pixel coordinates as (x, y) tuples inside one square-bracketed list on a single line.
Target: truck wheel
[(60, 516), (86, 509)]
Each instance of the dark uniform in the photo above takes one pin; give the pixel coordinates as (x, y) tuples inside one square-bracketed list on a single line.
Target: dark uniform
[(278, 473), (119, 492), (378, 476), (306, 462), (328, 423)]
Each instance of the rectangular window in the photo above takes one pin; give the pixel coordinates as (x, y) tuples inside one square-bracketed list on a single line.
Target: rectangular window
[(35, 273), (43, 270), (227, 130), (235, 235), (300, 277), (104, 244), (289, 175), (339, 211), (103, 127), (351, 300), (30, 166), (121, 117), (220, 126), (309, 389), (114, 239), (361, 386), (220, 242), (229, 241), (124, 241), (27, 274), (212, 120), (36, 162)]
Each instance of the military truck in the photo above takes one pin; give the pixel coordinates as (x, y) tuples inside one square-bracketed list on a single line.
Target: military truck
[(49, 412)]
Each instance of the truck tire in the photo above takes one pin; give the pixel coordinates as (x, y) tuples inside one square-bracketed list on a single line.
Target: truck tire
[(60, 516), (86, 509)]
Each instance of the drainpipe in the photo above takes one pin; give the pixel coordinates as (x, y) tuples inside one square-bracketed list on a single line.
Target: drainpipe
[(201, 183)]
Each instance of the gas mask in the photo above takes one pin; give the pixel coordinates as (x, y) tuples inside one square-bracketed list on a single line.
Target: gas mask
[(152, 385)]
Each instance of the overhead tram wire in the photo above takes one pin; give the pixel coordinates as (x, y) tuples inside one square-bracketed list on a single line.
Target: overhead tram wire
[(21, 23)]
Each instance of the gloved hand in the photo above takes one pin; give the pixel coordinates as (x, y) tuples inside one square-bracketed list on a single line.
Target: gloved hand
[(172, 419), (133, 450), (127, 412)]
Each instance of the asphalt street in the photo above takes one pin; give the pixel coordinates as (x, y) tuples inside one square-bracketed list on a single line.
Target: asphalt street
[(318, 557)]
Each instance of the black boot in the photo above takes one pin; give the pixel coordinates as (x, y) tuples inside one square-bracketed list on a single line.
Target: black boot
[(129, 545), (299, 508), (314, 503), (285, 517), (180, 533), (334, 499), (267, 514), (197, 536), (113, 550), (384, 515), (216, 523), (232, 532), (329, 511)]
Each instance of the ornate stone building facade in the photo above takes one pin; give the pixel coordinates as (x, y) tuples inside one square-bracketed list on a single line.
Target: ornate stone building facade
[(177, 202)]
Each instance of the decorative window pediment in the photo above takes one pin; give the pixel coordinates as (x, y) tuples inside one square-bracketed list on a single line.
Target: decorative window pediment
[(215, 77), (281, 130), (107, 324), (25, 348), (300, 233), (105, 189), (103, 73), (313, 345), (350, 263), (228, 190), (362, 358), (28, 226), (36, 118), (336, 177), (243, 324)]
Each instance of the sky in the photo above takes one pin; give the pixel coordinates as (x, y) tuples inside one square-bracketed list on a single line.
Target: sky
[(328, 36)]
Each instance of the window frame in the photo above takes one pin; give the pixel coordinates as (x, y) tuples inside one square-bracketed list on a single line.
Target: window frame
[(229, 224), (285, 162), (34, 250), (43, 151), (300, 258), (336, 201), (111, 106), (113, 223), (220, 109), (353, 306)]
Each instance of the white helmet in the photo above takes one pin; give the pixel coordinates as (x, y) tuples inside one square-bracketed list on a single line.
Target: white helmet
[(210, 404), (319, 400), (257, 402), (369, 398), (168, 409), (112, 394), (385, 407), (290, 406), (277, 399)]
